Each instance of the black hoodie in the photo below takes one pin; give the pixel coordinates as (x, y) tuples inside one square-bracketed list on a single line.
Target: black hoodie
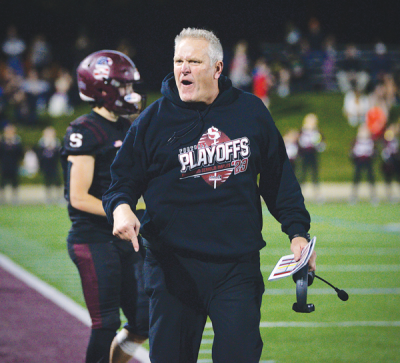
[(197, 168)]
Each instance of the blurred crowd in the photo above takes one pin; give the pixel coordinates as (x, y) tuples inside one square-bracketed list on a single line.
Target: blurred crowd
[(314, 62), (30, 82), (33, 83), (369, 81)]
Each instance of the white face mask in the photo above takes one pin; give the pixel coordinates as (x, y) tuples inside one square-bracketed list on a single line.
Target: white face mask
[(133, 98)]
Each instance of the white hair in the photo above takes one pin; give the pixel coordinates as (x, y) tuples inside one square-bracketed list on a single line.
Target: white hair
[(215, 51)]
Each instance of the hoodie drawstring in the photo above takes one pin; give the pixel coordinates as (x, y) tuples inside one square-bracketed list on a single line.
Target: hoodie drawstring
[(188, 129)]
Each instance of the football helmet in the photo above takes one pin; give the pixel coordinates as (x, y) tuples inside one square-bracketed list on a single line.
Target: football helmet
[(109, 79)]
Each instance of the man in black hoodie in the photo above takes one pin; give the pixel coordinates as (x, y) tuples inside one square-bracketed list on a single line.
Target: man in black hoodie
[(195, 156)]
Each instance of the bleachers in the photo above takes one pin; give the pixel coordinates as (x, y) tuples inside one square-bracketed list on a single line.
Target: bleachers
[(313, 61)]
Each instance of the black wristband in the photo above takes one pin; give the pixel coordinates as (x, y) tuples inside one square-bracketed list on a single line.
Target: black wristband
[(304, 235)]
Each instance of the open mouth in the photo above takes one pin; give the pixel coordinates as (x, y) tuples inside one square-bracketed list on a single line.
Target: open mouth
[(186, 83)]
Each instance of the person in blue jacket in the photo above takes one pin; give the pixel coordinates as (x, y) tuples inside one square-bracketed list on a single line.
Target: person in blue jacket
[(195, 156)]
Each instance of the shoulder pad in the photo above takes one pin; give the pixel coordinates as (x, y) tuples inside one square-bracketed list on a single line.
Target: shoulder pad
[(84, 137)]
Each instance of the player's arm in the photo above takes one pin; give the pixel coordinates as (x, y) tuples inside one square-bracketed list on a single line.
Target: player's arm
[(81, 178)]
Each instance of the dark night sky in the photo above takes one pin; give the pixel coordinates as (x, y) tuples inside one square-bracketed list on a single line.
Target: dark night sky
[(152, 24)]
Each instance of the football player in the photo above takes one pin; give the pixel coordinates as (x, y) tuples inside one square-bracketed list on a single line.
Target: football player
[(109, 268)]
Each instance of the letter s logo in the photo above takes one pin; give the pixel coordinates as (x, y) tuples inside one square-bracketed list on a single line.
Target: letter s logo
[(75, 140), (213, 133)]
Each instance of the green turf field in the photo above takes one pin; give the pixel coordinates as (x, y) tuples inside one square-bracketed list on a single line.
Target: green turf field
[(358, 250)]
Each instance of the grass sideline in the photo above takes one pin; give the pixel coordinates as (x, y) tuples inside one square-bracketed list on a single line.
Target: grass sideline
[(358, 250)]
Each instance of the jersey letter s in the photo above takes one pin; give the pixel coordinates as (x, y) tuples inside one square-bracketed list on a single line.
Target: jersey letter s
[(75, 140)]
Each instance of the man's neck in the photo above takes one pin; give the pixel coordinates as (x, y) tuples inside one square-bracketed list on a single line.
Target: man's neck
[(213, 97), (109, 115)]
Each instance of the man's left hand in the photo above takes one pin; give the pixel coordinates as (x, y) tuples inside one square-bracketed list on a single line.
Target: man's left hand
[(297, 245)]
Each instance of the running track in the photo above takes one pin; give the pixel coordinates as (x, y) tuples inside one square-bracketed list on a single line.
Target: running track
[(33, 329)]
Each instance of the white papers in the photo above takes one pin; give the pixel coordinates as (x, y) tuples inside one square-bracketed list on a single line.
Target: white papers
[(287, 266)]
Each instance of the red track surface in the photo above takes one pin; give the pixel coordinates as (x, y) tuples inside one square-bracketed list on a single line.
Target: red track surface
[(34, 329)]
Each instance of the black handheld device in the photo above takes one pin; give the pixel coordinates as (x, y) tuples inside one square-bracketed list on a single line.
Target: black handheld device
[(304, 278)]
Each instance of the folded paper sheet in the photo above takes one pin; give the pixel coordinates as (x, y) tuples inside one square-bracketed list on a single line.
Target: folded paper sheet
[(287, 266)]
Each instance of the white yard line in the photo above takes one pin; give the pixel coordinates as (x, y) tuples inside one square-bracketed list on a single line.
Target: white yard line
[(205, 351), (328, 291), (337, 251), (58, 298), (210, 361), (347, 268), (337, 324), (46, 290)]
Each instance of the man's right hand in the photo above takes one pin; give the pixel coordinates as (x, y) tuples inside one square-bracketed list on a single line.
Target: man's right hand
[(126, 225)]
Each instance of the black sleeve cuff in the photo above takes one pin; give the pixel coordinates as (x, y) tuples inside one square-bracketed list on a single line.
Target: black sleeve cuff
[(304, 235)]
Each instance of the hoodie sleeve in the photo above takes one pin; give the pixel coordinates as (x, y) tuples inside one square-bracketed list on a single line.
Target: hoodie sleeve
[(127, 172), (279, 186)]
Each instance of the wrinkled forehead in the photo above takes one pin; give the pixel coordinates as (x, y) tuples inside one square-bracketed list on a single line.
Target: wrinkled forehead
[(192, 47)]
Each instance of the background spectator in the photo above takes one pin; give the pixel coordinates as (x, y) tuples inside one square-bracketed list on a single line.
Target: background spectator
[(13, 47), (11, 153), (362, 154), (380, 63), (59, 102), (315, 36), (292, 147), (36, 91), (48, 152), (390, 90), (390, 155), (292, 37), (375, 120), (283, 86), (356, 105), (351, 70), (383, 95), (30, 164), (310, 144), (262, 80), (297, 72), (15, 95), (329, 63), (3, 105), (40, 54), (240, 67), (307, 62)]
